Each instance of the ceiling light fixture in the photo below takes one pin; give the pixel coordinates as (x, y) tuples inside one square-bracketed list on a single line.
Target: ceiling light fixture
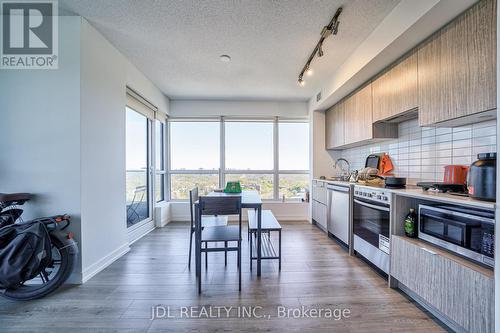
[(331, 29), (225, 58), (309, 71)]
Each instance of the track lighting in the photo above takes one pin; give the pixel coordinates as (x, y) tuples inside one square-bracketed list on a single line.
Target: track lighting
[(309, 71), (330, 29), (320, 50)]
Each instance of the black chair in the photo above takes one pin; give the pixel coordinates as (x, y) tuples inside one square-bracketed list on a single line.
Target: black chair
[(207, 221), (210, 206)]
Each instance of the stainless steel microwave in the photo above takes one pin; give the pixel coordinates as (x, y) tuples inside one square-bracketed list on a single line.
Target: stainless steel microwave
[(467, 232)]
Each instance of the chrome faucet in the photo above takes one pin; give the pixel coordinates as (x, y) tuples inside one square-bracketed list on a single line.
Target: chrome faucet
[(344, 176)]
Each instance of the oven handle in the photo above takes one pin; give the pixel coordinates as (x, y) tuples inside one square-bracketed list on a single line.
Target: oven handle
[(385, 209)]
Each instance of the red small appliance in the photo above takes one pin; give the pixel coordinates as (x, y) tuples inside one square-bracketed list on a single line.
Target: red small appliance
[(455, 174)]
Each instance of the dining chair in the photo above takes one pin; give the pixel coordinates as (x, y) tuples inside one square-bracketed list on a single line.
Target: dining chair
[(207, 221), (224, 205)]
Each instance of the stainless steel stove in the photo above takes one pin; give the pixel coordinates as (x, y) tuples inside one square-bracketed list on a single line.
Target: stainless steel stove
[(371, 218)]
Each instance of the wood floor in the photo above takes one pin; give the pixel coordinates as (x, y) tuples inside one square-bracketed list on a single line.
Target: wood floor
[(316, 273)]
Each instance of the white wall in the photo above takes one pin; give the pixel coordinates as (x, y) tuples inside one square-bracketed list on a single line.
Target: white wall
[(40, 132), (322, 160), (207, 108), (105, 73), (62, 137)]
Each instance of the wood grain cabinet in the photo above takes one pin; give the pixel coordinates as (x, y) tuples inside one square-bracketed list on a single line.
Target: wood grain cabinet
[(334, 127), (395, 92), (460, 290), (358, 116), (349, 123), (457, 67)]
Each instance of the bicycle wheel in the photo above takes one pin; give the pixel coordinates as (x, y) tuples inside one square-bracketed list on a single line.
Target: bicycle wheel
[(51, 278)]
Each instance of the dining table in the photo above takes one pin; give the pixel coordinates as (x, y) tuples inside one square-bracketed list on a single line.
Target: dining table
[(249, 199)]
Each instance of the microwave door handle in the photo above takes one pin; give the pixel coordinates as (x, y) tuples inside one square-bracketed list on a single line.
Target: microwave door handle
[(385, 209)]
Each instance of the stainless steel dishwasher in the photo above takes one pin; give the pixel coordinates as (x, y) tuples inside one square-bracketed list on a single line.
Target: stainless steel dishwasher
[(338, 212)]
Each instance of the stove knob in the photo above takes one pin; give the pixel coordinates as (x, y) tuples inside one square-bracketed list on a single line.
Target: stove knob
[(379, 197), (385, 198)]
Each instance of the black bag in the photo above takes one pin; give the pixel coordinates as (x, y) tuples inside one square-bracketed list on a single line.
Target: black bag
[(25, 249)]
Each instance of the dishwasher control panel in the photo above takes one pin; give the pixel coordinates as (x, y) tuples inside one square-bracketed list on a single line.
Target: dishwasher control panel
[(373, 194)]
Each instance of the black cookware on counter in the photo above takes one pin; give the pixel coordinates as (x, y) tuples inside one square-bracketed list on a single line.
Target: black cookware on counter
[(395, 182), (481, 180)]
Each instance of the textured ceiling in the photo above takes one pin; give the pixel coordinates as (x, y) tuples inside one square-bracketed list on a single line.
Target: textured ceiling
[(177, 44)]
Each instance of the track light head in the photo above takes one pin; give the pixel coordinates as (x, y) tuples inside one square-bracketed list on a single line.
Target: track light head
[(320, 50), (301, 82)]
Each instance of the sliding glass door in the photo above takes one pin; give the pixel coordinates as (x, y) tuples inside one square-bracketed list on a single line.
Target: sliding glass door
[(138, 167)]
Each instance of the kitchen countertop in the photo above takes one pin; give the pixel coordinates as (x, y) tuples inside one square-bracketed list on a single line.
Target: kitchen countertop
[(416, 192)]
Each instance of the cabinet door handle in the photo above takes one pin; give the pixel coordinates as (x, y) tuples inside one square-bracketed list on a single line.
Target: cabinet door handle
[(429, 251)]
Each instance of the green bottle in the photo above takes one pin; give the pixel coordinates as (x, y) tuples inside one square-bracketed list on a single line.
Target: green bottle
[(411, 224)]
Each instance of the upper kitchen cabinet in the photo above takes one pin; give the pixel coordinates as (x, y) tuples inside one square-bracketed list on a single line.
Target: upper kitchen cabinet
[(358, 116), (395, 92), (349, 123), (457, 69), (334, 127)]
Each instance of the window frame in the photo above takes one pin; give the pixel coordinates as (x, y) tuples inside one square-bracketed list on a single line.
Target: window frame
[(222, 172), (163, 170)]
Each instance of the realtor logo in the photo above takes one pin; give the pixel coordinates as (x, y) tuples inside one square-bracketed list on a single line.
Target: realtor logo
[(29, 35)]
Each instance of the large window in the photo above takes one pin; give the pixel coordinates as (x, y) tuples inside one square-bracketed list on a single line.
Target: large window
[(270, 156), (194, 157)]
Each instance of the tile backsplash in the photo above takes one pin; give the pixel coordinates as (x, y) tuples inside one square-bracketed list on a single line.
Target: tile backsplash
[(420, 153)]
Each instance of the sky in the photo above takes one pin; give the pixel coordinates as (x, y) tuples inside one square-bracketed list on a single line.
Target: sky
[(249, 145)]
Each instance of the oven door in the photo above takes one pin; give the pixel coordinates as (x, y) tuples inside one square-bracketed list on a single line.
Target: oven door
[(371, 222)]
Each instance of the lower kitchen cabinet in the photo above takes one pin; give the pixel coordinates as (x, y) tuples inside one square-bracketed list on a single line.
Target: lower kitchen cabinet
[(319, 212), (458, 289)]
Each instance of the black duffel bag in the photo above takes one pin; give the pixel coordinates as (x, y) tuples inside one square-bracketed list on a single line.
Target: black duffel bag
[(25, 250)]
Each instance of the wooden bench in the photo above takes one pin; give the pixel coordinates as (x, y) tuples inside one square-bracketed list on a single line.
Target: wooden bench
[(269, 224)]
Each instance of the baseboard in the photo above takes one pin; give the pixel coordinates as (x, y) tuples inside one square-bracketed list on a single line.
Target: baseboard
[(101, 264), (138, 232)]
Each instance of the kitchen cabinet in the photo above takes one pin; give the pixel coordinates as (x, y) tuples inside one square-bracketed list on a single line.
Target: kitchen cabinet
[(457, 67), (334, 127), (395, 92), (319, 214), (457, 288), (319, 191), (358, 116), (318, 203)]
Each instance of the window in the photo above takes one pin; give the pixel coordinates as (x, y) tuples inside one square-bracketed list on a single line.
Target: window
[(160, 161), (249, 146), (293, 159), (137, 167), (270, 156), (293, 146), (263, 183), (181, 184), (194, 157)]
